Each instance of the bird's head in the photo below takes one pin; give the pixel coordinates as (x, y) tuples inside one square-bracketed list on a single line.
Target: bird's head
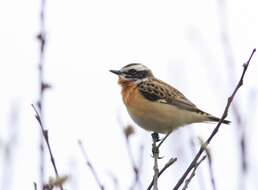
[(133, 73)]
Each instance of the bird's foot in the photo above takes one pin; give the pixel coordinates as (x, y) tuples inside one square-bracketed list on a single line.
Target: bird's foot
[(155, 137)]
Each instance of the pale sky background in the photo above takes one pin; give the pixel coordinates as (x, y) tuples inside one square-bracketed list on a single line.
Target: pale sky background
[(181, 41)]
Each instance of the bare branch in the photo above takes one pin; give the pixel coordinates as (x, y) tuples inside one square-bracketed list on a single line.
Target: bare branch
[(128, 131), (166, 166), (229, 58), (41, 37), (45, 135), (35, 186), (137, 169), (155, 152), (225, 113), (210, 169), (89, 164), (140, 160), (208, 154)]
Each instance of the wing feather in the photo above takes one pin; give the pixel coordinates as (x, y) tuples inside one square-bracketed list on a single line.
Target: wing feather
[(159, 91)]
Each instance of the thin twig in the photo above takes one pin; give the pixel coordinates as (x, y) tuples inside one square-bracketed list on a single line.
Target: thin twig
[(155, 151), (136, 168), (89, 164), (166, 166), (229, 58), (114, 180), (225, 113), (140, 160), (200, 174), (41, 37), (161, 142), (187, 181), (9, 148), (35, 186), (45, 135), (208, 154), (128, 131), (211, 169)]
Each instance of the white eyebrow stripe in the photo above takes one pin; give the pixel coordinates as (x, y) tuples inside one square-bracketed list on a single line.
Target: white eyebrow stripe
[(136, 67)]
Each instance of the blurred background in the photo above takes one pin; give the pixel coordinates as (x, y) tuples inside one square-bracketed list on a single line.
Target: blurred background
[(197, 46)]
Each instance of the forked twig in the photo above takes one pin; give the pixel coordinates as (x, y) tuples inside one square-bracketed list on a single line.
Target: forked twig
[(225, 113), (166, 166)]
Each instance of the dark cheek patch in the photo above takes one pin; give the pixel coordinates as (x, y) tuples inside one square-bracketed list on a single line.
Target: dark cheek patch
[(141, 74)]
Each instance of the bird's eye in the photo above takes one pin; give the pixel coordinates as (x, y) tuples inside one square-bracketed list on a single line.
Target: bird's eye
[(132, 71)]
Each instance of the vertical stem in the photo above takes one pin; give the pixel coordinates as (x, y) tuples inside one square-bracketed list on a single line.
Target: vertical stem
[(42, 41), (155, 151)]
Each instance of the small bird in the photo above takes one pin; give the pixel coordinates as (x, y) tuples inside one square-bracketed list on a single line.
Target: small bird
[(155, 105)]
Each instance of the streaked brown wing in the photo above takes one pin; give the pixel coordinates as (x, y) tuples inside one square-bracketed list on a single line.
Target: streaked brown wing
[(156, 90)]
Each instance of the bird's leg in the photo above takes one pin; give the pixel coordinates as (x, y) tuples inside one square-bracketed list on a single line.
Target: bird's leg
[(155, 148)]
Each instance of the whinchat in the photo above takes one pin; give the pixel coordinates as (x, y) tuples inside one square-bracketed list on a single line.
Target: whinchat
[(155, 105)]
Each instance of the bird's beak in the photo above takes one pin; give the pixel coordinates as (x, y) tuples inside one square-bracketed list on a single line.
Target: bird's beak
[(117, 72)]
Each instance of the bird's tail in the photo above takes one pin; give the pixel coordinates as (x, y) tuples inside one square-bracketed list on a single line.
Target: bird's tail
[(216, 119)]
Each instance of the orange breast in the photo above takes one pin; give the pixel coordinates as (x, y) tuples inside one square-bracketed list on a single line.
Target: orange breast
[(129, 93)]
